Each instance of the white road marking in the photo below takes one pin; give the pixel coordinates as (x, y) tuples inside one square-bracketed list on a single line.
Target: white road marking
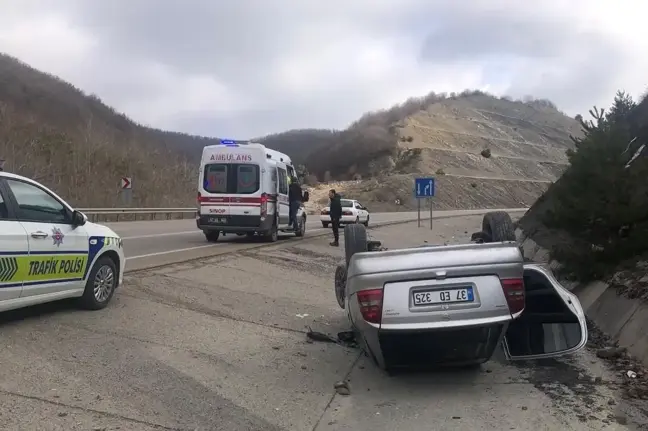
[(179, 250), (155, 235)]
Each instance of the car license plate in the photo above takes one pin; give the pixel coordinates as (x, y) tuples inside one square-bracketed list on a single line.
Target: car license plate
[(219, 220), (432, 297)]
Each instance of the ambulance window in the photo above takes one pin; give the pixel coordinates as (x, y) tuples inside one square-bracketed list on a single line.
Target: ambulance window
[(216, 178), (283, 181), (247, 179), (273, 175), (35, 204)]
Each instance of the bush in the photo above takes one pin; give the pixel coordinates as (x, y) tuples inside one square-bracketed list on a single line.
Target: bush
[(486, 153), (599, 202), (440, 171)]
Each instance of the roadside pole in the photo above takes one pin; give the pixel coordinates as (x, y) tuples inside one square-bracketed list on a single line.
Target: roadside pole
[(424, 188)]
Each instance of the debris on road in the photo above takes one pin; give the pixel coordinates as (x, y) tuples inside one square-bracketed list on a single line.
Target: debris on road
[(320, 336), (342, 388), (345, 338)]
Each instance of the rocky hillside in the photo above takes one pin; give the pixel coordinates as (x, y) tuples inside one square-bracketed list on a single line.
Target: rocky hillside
[(484, 151)]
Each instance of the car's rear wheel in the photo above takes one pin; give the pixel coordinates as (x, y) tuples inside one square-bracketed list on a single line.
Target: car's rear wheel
[(100, 285), (325, 224), (498, 226), (366, 223), (212, 235), (355, 240), (357, 220)]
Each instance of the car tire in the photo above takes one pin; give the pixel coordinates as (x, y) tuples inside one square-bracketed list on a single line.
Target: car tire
[(272, 235), (340, 284), (357, 220), (212, 235), (366, 223), (100, 285), (302, 228), (324, 224), (355, 240), (498, 226)]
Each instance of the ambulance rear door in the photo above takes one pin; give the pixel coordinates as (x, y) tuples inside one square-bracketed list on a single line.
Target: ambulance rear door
[(231, 185)]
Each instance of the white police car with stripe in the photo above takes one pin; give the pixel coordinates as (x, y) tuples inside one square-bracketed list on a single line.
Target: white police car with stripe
[(49, 251)]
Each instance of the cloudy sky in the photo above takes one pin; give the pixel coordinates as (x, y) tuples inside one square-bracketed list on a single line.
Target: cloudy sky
[(244, 68)]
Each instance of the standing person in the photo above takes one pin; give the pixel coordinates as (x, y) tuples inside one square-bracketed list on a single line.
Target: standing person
[(295, 199), (335, 211)]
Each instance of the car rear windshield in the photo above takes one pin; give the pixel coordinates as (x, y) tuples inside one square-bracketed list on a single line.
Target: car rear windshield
[(346, 204), (231, 178)]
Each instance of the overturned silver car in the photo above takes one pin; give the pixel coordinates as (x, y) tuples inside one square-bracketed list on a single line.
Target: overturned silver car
[(454, 305)]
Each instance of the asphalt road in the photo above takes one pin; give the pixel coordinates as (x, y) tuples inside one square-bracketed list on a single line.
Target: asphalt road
[(219, 344), (154, 243)]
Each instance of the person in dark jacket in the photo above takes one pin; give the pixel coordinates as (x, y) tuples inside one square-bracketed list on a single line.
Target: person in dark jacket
[(295, 199), (335, 212)]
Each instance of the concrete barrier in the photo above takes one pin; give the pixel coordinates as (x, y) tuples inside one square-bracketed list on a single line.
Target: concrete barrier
[(624, 320)]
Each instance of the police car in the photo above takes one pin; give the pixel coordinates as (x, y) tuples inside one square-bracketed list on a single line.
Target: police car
[(49, 251)]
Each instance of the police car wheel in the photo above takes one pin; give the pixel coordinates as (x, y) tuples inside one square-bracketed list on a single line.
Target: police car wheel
[(101, 284)]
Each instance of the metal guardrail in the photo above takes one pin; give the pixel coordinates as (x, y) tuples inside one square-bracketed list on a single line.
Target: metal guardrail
[(114, 214), (93, 211)]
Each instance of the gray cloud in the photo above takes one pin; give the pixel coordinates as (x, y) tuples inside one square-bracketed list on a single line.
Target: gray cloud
[(249, 67)]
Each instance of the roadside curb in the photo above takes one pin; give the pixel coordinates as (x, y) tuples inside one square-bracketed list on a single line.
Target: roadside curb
[(310, 237)]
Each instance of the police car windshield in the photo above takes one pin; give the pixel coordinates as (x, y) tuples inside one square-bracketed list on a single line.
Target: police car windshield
[(346, 203), (233, 178)]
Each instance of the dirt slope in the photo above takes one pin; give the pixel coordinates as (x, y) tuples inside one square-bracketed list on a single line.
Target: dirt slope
[(483, 151)]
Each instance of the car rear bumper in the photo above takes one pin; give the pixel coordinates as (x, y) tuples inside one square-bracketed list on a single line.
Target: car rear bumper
[(233, 224), (435, 348)]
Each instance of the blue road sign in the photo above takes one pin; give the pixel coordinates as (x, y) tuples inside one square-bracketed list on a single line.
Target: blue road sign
[(424, 187)]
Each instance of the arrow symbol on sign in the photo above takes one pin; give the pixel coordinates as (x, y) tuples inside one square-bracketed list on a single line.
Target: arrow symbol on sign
[(125, 183)]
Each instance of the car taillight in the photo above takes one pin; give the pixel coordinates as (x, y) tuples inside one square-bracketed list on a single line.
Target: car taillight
[(264, 204), (514, 293), (347, 213), (370, 302), (199, 198)]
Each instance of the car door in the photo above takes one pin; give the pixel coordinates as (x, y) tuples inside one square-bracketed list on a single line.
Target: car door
[(362, 212), (552, 323), (13, 248), (58, 250), (282, 195)]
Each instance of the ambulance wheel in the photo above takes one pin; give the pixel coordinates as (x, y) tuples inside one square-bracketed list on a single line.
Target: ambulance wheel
[(301, 231), (272, 235), (101, 284), (212, 235)]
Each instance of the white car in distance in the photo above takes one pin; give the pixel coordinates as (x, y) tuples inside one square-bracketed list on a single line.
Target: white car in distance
[(352, 212)]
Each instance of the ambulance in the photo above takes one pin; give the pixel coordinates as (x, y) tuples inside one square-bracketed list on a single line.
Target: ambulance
[(243, 189)]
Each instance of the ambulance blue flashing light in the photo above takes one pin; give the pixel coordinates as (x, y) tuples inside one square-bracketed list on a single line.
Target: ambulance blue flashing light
[(229, 142)]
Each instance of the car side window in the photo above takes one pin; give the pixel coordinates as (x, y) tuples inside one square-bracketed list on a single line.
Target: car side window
[(36, 205), (4, 212)]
